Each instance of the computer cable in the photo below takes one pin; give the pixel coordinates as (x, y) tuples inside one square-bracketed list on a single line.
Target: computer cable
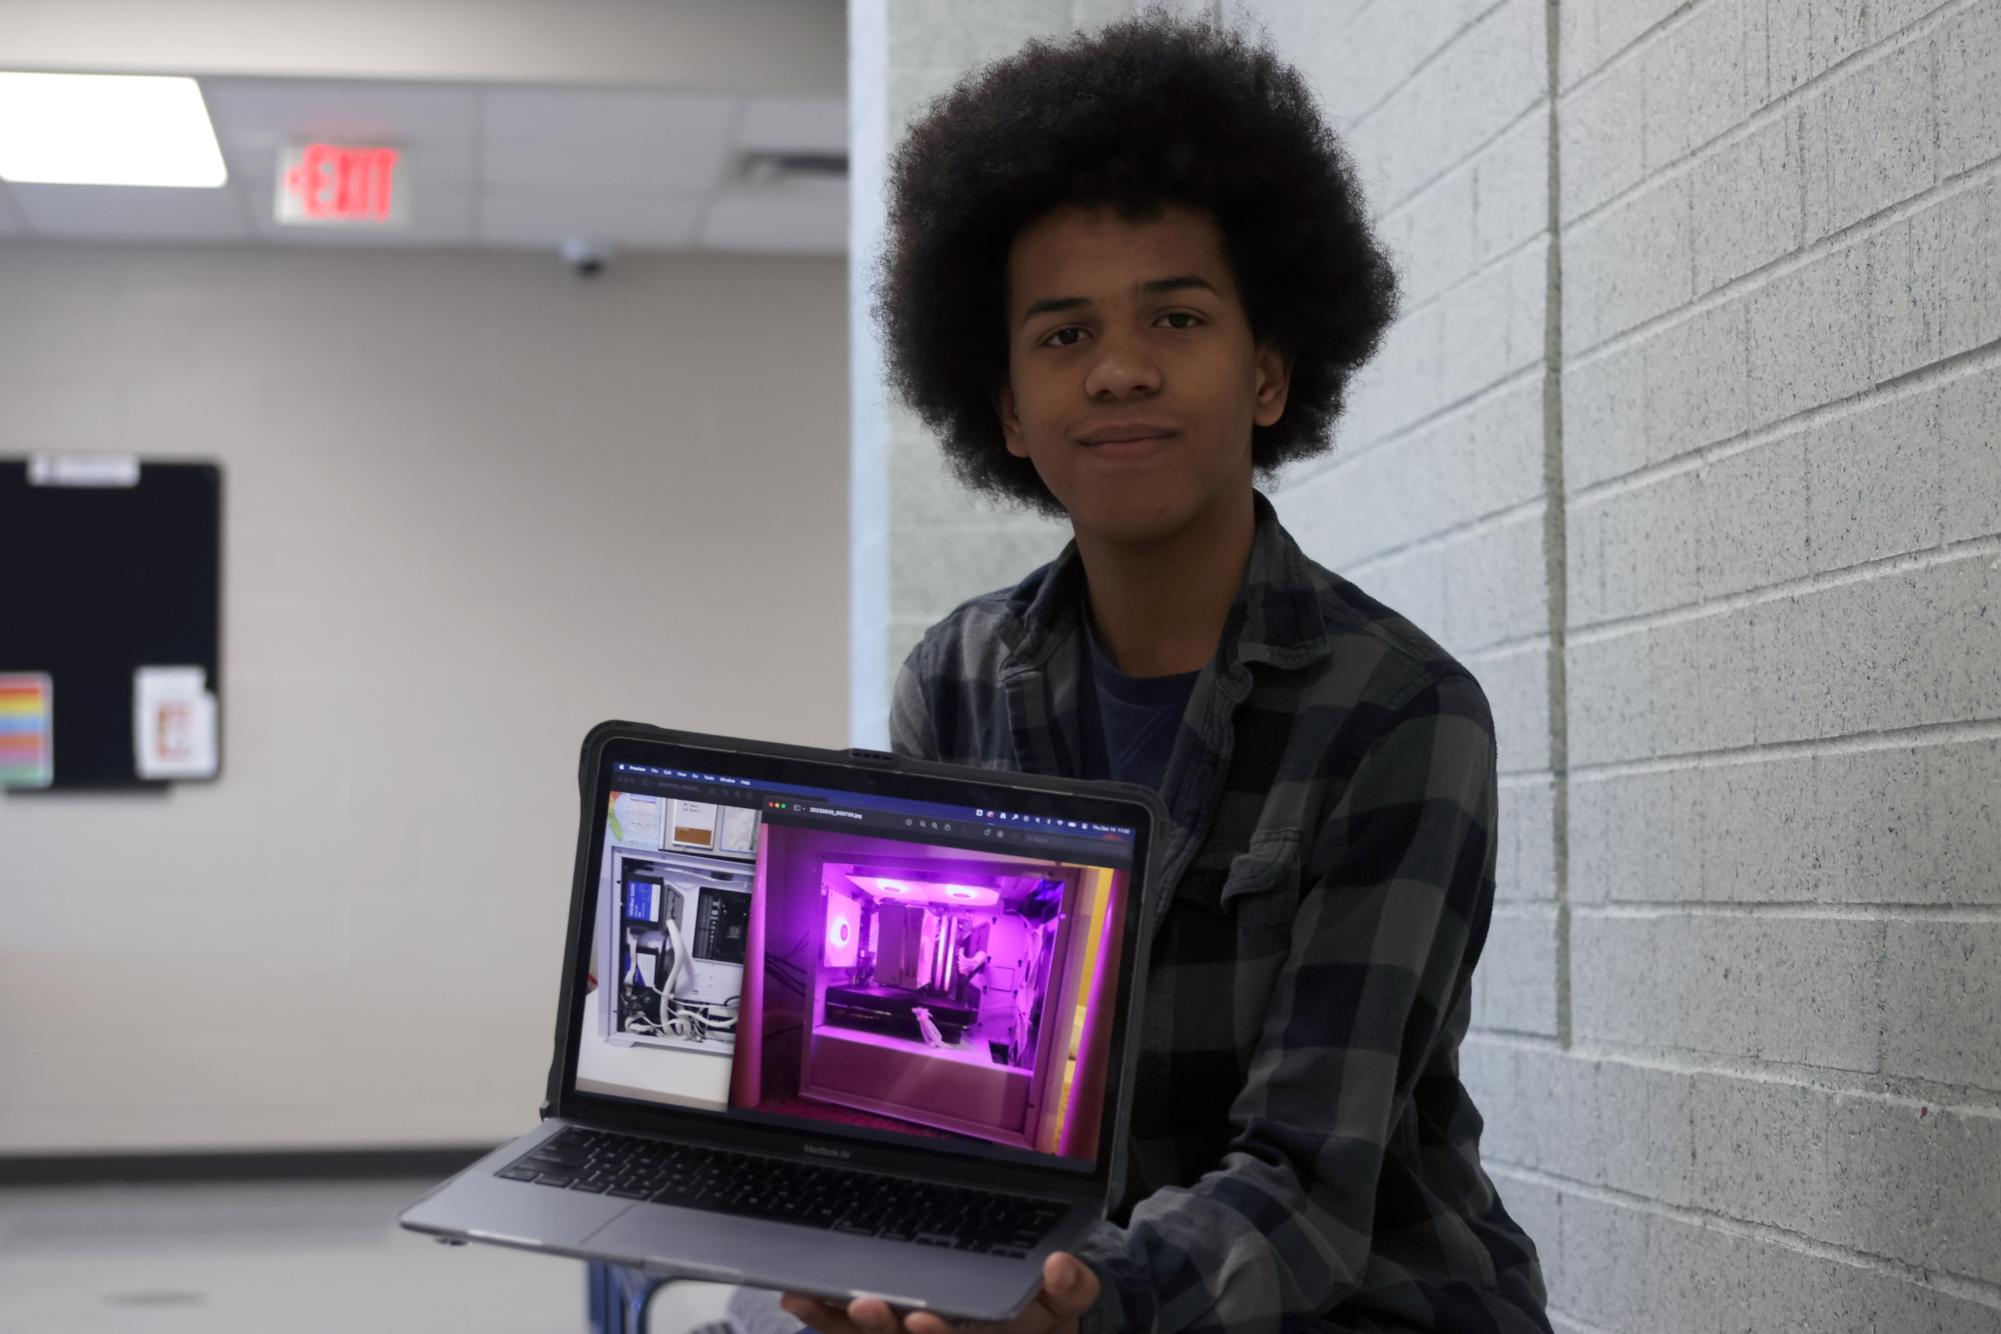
[(672, 982), (692, 1021)]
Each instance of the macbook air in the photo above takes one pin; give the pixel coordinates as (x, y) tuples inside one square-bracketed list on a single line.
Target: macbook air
[(833, 1022)]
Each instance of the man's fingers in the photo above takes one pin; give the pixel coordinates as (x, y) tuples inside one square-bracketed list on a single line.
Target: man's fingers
[(864, 1315), (817, 1315), (871, 1315), (1069, 1286)]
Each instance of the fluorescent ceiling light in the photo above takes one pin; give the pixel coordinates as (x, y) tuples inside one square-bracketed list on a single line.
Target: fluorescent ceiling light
[(106, 129)]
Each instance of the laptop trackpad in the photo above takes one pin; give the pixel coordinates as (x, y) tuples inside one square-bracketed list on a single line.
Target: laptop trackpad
[(482, 1206)]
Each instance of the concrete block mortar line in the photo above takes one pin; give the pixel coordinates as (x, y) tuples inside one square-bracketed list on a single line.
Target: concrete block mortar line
[(1501, 1031), (1879, 968), (1925, 379), (1891, 738), (1694, 214), (1974, 1290), (1508, 643), (1466, 530), (1468, 156), (1869, 327), (1564, 1323), (1355, 17), (1973, 548), (1341, 31), (1344, 457), (1915, 1092), (1764, 115), (1492, 262), (1966, 914), (1539, 1042), (1361, 117), (1861, 229), (1555, 551), (1640, 41)]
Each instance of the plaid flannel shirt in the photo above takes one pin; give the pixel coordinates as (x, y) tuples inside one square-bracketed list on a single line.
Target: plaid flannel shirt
[(1303, 1155)]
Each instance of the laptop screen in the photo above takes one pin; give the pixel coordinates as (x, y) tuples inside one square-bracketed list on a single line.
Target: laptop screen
[(855, 962)]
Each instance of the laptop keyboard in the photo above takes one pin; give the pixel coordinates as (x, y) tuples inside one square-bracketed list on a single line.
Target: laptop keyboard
[(833, 1199)]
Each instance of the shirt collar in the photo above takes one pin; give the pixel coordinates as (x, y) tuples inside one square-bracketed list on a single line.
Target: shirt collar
[(1276, 617)]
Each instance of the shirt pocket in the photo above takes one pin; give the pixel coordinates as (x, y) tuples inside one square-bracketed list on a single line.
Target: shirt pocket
[(1262, 882), (1231, 927)]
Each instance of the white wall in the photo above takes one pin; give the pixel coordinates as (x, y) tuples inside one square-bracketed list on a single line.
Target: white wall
[(472, 505)]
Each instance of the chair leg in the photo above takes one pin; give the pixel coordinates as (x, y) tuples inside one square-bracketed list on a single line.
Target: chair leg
[(617, 1298)]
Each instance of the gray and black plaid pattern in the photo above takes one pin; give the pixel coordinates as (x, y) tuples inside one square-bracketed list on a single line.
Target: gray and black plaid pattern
[(1303, 1154)]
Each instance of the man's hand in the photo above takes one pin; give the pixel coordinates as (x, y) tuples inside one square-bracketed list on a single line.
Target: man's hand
[(1068, 1288)]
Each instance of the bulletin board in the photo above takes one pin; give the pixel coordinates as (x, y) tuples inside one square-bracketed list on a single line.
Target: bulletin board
[(110, 622)]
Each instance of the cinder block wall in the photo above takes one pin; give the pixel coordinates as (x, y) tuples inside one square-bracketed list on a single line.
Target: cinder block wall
[(1686, 442), (1435, 498)]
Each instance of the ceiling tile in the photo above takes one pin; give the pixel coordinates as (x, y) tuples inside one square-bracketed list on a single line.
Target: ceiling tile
[(632, 219), (494, 166), (255, 112), (795, 125), (133, 212), (801, 219), (566, 138), (435, 127)]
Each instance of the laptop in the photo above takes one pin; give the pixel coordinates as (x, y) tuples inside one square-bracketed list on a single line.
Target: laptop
[(833, 1022)]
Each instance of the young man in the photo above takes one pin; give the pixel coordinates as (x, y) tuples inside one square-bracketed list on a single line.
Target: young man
[(1125, 276)]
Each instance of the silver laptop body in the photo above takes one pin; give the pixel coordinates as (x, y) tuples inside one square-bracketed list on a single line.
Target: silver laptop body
[(834, 1022)]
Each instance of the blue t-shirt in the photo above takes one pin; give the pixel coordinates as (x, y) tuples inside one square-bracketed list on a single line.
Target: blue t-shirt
[(1129, 722)]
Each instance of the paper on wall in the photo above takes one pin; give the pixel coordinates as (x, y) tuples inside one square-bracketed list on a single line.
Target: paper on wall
[(636, 820), (27, 730), (739, 830), (121, 470), (694, 825), (173, 723)]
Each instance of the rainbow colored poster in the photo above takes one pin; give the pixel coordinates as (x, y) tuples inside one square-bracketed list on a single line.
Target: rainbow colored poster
[(27, 730)]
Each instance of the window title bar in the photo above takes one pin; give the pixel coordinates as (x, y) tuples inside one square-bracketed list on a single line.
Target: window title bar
[(929, 816)]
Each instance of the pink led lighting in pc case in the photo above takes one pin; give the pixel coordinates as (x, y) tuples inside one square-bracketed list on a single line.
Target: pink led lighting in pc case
[(844, 929), (960, 1001)]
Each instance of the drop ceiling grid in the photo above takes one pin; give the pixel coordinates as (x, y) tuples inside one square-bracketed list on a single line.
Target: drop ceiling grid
[(508, 166)]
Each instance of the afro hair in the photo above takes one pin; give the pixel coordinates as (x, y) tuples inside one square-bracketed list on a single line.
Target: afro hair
[(1145, 113)]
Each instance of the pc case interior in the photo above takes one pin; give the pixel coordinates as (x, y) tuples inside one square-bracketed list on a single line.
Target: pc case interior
[(676, 934)]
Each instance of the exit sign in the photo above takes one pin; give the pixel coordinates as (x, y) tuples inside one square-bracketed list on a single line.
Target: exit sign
[(341, 184)]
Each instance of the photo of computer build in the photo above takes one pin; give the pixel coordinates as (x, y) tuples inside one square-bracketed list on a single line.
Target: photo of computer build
[(913, 977), (929, 987), (678, 906)]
